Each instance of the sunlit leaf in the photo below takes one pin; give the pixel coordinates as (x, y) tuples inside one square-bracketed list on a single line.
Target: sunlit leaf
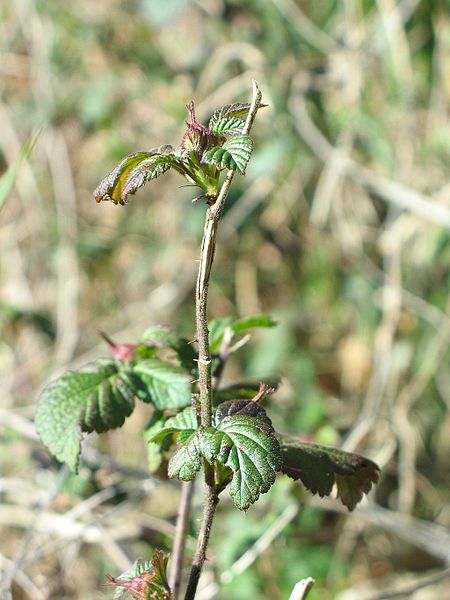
[(169, 386), (132, 172), (234, 154), (246, 445), (217, 327), (229, 126), (238, 109), (96, 398), (144, 580), (320, 467)]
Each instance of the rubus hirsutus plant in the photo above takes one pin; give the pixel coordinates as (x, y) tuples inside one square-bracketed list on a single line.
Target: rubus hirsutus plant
[(196, 421)]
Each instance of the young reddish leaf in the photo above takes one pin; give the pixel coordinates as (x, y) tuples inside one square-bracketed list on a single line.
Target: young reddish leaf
[(144, 580), (319, 467), (132, 172)]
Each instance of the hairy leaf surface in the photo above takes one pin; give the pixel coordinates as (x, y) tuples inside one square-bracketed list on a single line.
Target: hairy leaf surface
[(320, 467), (168, 386), (234, 154), (249, 448), (96, 398), (132, 172)]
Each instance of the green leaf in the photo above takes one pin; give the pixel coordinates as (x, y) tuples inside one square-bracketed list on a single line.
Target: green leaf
[(96, 398), (320, 467), (133, 171), (156, 450), (238, 109), (186, 461), (168, 386), (184, 422), (249, 448), (162, 337), (9, 177), (229, 126), (234, 154), (145, 580), (217, 327)]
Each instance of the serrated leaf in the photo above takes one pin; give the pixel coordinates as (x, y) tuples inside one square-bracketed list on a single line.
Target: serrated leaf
[(132, 172), (229, 126), (217, 327), (320, 467), (144, 580), (184, 422), (96, 398), (186, 461), (238, 109), (233, 154), (249, 448), (168, 386)]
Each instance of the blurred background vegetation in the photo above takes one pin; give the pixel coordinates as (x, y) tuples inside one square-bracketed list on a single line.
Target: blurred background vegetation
[(340, 231)]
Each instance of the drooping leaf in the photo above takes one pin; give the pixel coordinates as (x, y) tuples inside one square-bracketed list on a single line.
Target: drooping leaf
[(234, 154), (320, 467), (168, 386), (144, 580), (96, 398), (249, 448), (238, 109), (132, 172), (217, 327)]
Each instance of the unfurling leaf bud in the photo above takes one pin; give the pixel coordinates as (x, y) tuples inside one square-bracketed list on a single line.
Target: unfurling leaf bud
[(197, 136)]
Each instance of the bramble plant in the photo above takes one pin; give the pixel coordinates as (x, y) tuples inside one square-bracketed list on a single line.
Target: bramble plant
[(195, 421)]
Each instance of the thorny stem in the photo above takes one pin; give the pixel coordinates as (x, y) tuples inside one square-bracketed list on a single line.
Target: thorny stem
[(213, 215)]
